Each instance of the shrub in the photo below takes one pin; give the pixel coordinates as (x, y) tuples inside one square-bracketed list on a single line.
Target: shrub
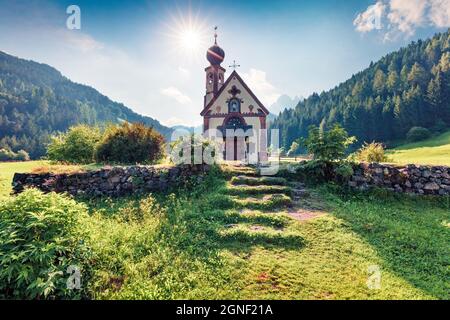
[(293, 149), (40, 237), (131, 144), (327, 145), (22, 155), (418, 134), (319, 171), (371, 152), (440, 126), (75, 146), (8, 155)]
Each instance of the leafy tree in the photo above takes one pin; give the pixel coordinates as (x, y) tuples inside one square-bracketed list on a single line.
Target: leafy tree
[(379, 81), (418, 134), (75, 146), (293, 149), (131, 144), (328, 145)]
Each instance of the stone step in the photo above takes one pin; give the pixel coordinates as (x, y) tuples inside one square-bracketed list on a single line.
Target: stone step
[(258, 190), (257, 181), (267, 202)]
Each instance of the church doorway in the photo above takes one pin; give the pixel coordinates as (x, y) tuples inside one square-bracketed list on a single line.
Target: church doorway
[(236, 140)]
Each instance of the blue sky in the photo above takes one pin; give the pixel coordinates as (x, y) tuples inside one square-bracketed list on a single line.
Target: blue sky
[(134, 51)]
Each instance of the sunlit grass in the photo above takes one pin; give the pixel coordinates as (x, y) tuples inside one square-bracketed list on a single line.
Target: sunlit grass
[(434, 151), (201, 244)]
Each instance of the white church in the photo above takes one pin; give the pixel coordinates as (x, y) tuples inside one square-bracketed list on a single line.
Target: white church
[(231, 109)]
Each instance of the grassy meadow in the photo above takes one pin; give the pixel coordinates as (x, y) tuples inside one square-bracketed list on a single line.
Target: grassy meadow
[(227, 240), (434, 151)]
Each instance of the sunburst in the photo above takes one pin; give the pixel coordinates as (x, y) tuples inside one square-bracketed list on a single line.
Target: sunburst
[(188, 34)]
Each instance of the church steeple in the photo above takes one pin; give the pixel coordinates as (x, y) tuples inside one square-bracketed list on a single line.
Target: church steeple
[(215, 74)]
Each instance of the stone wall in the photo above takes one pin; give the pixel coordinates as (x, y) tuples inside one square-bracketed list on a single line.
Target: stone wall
[(112, 181), (410, 179)]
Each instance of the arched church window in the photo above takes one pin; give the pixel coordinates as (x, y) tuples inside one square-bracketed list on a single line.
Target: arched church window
[(220, 78), (210, 78), (235, 122), (234, 105)]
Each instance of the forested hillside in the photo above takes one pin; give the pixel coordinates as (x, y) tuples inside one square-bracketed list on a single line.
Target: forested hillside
[(407, 88), (36, 101)]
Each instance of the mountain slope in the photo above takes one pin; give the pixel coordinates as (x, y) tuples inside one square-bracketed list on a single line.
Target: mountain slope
[(407, 88), (36, 101)]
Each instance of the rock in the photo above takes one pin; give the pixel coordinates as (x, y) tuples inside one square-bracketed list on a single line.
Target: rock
[(426, 174), (431, 186), (418, 185)]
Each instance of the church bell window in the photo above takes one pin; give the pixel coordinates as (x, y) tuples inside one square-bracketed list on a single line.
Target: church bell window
[(234, 105)]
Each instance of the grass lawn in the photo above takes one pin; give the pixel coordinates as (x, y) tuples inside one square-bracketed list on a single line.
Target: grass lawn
[(201, 244), (7, 170), (434, 151)]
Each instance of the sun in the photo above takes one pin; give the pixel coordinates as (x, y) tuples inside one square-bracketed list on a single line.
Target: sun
[(188, 34), (190, 39)]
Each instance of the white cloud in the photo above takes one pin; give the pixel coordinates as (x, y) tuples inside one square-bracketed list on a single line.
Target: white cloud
[(440, 13), (78, 40), (407, 15), (403, 17), (263, 89), (371, 18), (174, 121), (176, 94)]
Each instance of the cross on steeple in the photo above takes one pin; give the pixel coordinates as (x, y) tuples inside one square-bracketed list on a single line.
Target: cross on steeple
[(215, 35), (234, 65)]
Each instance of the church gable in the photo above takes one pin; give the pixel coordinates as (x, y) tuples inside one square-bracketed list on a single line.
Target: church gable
[(234, 96)]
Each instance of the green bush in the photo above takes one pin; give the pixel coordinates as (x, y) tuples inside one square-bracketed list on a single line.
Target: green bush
[(371, 152), (8, 155), (131, 144), (22, 155), (327, 145), (417, 134), (75, 146), (440, 126), (40, 237), (319, 171)]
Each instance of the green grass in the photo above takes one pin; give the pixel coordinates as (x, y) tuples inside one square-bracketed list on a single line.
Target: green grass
[(434, 151), (200, 244), (7, 170), (253, 181), (255, 190)]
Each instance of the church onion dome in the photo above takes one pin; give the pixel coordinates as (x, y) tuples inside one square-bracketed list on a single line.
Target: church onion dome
[(215, 55)]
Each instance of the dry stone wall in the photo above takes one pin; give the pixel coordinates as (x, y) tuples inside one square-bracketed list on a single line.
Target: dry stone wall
[(428, 180), (113, 181)]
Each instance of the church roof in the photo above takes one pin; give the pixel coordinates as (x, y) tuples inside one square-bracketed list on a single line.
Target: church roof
[(238, 77)]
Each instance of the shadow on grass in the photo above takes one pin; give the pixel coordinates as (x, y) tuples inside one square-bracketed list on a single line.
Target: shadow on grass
[(194, 223), (409, 234), (437, 141)]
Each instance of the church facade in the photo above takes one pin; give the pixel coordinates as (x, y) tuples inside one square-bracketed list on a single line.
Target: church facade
[(232, 111)]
